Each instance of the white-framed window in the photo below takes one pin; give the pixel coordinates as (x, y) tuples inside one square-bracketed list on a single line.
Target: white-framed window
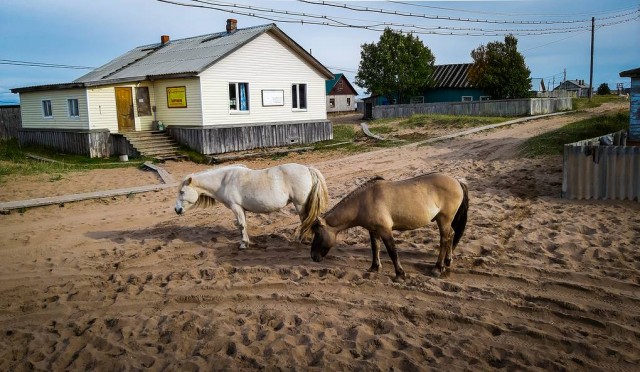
[(467, 98), (332, 102), (47, 111), (485, 98), (348, 101), (74, 111), (299, 96), (239, 97)]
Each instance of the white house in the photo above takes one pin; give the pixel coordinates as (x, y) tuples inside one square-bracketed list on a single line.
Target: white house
[(341, 95), (228, 91)]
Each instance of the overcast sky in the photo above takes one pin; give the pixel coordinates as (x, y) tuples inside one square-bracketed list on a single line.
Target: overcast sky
[(553, 35)]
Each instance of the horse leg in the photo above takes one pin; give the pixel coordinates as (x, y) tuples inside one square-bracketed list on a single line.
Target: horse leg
[(375, 251), (387, 239), (241, 223), (300, 210), (444, 257)]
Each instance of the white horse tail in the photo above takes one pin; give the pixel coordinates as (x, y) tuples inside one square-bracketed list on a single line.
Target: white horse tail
[(316, 203)]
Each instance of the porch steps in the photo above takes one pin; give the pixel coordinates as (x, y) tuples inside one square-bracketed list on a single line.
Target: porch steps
[(154, 144)]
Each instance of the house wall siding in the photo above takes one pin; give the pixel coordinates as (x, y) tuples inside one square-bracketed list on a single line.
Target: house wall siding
[(33, 116), (266, 64), (188, 116), (102, 107), (341, 103)]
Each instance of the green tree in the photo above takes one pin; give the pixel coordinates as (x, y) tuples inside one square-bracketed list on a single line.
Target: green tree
[(603, 89), (500, 70), (396, 65)]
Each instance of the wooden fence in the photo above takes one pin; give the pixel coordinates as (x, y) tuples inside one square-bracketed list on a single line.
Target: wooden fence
[(601, 168), (92, 143), (217, 140), (511, 107), (10, 121)]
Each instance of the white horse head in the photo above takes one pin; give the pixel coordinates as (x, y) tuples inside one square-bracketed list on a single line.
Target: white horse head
[(188, 196)]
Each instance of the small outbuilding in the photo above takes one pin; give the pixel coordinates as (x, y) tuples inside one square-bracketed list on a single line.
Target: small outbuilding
[(228, 91), (577, 87)]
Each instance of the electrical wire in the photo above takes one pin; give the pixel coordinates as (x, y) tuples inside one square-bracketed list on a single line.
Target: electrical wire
[(42, 64)]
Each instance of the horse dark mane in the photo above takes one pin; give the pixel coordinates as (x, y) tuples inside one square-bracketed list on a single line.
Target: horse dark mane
[(355, 191), (204, 201)]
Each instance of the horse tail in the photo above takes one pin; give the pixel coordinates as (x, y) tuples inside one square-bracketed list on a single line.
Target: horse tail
[(460, 220), (316, 202)]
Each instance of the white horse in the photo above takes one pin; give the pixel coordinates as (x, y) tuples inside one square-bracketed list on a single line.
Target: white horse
[(260, 191)]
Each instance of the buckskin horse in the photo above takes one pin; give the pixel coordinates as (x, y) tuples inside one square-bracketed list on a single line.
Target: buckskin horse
[(382, 206)]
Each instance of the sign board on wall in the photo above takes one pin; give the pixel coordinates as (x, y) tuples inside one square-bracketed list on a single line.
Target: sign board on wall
[(273, 98), (176, 97)]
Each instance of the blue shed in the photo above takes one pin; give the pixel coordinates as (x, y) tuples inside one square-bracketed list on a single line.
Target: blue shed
[(634, 113)]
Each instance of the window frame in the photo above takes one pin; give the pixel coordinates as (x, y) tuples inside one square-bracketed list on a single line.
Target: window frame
[(295, 98), (237, 110), (485, 98), (44, 111), (467, 99), (76, 107)]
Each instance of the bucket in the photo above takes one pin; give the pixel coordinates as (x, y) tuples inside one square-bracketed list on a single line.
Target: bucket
[(124, 157)]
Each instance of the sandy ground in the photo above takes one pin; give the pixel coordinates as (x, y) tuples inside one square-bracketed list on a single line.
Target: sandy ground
[(538, 282)]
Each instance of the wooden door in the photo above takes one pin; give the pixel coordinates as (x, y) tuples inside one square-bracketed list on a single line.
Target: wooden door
[(124, 108)]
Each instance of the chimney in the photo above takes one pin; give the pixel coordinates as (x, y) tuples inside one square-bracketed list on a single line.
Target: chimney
[(232, 25), (164, 39)]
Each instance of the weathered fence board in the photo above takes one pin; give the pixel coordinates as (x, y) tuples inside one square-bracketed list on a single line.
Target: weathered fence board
[(10, 121), (511, 107), (601, 168), (221, 139), (93, 143)]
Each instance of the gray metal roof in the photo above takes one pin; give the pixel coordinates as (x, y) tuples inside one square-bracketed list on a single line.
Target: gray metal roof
[(183, 56), (452, 76), (177, 58)]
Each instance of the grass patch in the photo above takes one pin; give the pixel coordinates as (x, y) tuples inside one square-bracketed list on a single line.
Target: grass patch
[(552, 143), (450, 121), (596, 100), (14, 160)]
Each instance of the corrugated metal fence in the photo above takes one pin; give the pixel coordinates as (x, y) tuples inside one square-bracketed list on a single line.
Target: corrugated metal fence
[(10, 121), (601, 168), (510, 107)]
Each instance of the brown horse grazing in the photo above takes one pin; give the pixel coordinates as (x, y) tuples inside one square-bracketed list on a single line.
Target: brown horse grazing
[(382, 206)]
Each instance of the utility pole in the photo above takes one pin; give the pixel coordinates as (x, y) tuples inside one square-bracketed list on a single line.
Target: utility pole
[(593, 22)]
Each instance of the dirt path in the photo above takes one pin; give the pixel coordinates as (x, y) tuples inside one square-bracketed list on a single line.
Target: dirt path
[(538, 282)]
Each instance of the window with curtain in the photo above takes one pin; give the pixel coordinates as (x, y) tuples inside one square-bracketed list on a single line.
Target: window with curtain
[(74, 111), (47, 112), (238, 96), (299, 96)]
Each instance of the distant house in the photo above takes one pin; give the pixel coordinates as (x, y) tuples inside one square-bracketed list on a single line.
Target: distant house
[(449, 83), (575, 86), (227, 91), (341, 95)]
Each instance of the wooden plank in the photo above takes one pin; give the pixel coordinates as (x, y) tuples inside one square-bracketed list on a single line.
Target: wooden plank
[(166, 176), (5, 206)]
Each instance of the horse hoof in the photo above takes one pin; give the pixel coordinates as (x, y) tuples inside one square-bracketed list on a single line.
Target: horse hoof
[(437, 272), (399, 279), (447, 262)]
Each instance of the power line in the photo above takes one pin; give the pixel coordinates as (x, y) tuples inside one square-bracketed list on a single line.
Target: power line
[(512, 14), (447, 18), (287, 16), (42, 64)]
